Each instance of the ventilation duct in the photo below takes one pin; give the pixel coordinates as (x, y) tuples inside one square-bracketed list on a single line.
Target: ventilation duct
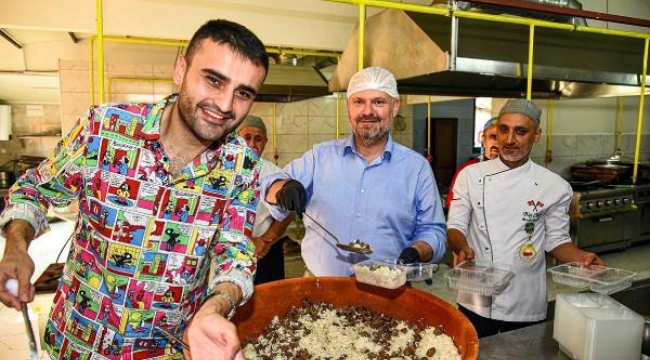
[(572, 4), (491, 58), (287, 83)]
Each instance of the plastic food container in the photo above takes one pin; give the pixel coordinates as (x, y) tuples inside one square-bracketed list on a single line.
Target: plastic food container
[(599, 279), (592, 326), (417, 271), (379, 273), (481, 278)]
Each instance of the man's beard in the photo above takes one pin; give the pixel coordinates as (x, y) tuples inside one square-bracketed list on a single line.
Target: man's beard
[(517, 156), (188, 113), (371, 135)]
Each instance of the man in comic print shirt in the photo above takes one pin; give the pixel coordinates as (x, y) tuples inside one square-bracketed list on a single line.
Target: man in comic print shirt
[(163, 190)]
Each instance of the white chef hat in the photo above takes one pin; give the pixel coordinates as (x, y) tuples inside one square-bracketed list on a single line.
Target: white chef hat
[(373, 78)]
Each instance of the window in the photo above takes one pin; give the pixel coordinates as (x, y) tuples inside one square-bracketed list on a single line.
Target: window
[(482, 113)]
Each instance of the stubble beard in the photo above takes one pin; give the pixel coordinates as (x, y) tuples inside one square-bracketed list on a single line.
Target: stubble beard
[(516, 157), (371, 134), (189, 115)]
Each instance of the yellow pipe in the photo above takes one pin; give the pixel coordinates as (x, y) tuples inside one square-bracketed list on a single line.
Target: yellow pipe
[(147, 41), (546, 24), (512, 20), (275, 132), (361, 39), (529, 75), (640, 120), (338, 115), (110, 82), (184, 43), (274, 50), (398, 6), (428, 126), (549, 132), (489, 17), (619, 127), (100, 48), (91, 45), (631, 34)]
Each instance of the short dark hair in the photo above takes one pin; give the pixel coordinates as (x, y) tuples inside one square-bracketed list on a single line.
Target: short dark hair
[(237, 36)]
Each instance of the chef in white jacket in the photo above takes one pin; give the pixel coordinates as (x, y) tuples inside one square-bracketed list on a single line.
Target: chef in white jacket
[(511, 211)]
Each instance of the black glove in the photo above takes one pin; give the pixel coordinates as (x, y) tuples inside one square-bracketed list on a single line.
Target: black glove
[(408, 256), (292, 197)]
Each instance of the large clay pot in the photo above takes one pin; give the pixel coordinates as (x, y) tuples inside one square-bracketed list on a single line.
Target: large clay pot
[(414, 306)]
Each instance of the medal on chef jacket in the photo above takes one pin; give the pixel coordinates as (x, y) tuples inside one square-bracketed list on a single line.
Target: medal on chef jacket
[(527, 251)]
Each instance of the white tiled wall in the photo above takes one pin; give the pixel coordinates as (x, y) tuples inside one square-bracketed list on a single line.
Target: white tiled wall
[(39, 120), (298, 125)]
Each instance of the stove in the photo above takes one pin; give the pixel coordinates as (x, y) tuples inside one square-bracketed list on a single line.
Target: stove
[(605, 217), (642, 198)]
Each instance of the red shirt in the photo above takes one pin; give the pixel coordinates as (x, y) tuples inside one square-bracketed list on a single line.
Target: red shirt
[(450, 195)]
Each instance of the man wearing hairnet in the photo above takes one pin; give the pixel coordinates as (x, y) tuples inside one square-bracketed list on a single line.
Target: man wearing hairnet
[(365, 186), (509, 211), (267, 232)]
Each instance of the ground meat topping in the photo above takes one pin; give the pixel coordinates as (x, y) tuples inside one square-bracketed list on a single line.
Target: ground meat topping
[(321, 331)]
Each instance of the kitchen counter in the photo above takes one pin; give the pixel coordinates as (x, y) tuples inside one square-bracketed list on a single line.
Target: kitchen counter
[(536, 342), (532, 343)]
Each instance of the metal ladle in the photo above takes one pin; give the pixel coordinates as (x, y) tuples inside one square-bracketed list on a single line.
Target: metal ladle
[(356, 246)]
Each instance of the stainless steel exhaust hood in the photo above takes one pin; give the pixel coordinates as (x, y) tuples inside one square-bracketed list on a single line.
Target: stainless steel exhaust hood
[(492, 58), (287, 83)]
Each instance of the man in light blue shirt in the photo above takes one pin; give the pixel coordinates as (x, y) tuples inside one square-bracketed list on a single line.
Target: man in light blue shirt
[(364, 187)]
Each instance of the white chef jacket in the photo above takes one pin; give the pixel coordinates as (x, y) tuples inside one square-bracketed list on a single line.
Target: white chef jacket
[(492, 205), (263, 220)]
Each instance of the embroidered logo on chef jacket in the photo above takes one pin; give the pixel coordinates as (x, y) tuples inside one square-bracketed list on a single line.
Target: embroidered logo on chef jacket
[(528, 251)]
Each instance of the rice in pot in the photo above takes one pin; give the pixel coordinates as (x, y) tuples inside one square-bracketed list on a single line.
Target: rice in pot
[(321, 331)]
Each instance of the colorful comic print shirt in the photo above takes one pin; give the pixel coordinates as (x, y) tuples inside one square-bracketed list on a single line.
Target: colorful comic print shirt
[(142, 246)]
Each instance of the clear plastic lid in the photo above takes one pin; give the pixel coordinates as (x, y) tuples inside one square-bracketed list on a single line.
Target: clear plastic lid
[(416, 271), (600, 279), (477, 277)]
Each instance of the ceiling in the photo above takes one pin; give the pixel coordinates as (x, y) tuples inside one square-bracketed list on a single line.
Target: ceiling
[(50, 31)]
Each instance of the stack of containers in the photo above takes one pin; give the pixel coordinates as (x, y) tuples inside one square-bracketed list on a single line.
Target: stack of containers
[(593, 326)]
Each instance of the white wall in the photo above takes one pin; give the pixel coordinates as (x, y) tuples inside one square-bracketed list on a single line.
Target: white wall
[(594, 116)]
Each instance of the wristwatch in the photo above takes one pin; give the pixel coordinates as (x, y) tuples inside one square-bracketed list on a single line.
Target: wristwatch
[(226, 296)]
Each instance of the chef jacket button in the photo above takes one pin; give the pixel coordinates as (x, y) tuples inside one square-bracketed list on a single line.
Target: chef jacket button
[(487, 249), (363, 191), (358, 214), (481, 226), (479, 203)]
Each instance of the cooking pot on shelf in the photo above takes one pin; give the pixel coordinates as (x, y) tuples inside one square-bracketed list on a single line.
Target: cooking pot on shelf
[(611, 170), (413, 306)]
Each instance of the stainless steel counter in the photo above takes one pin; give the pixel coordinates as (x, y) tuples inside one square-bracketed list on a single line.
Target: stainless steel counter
[(536, 342), (531, 343)]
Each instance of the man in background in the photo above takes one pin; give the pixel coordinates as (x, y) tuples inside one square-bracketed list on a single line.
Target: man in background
[(489, 151), (268, 234)]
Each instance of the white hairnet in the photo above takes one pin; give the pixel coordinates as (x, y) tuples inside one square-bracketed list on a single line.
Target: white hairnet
[(373, 78)]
